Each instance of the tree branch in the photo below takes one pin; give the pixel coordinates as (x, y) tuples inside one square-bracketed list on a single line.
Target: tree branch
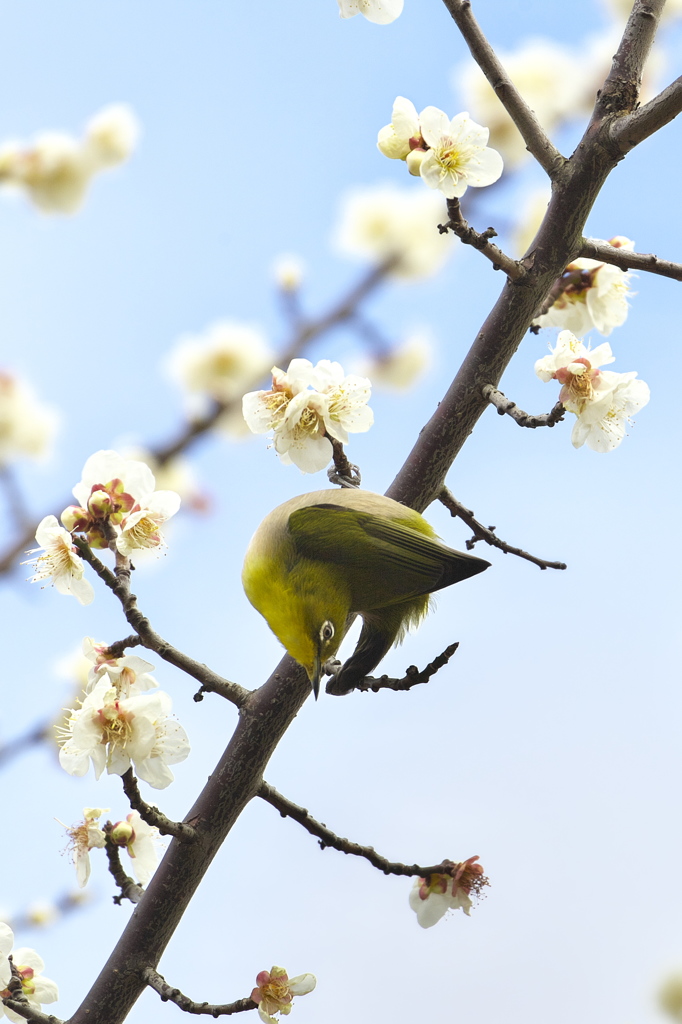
[(21, 1005), (288, 809), (620, 93), (506, 407), (344, 473), (152, 815), (130, 890), (154, 980), (514, 270), (627, 132), (412, 677), (537, 141), (595, 249), (487, 534), (119, 583)]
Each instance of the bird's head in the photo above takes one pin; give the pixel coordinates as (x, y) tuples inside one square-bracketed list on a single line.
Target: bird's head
[(306, 610)]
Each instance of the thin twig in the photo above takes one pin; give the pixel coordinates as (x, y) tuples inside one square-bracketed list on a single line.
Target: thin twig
[(18, 1002), (514, 270), (152, 815), (413, 677), (506, 407), (130, 890), (327, 838), (174, 995), (119, 583), (537, 141), (488, 534), (344, 473), (595, 249), (119, 647)]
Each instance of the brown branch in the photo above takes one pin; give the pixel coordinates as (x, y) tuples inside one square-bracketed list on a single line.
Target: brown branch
[(185, 833), (288, 809), (620, 93), (627, 132), (488, 534), (130, 890), (412, 677), (18, 1002), (595, 249), (119, 583), (537, 141), (168, 994), (505, 407), (456, 223), (344, 473)]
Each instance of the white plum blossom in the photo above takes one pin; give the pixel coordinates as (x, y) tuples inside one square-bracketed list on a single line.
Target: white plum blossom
[(303, 405), (56, 169), (603, 401), (432, 897), (397, 139), (590, 295), (174, 474), (457, 155), (275, 992), (602, 424), (129, 674), (140, 529), (26, 425), (29, 967), (59, 562), (221, 363), (381, 12), (550, 78), (119, 494), (86, 836), (140, 841), (113, 733), (386, 223)]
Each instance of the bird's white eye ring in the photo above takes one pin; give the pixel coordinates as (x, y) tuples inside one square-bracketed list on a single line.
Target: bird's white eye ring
[(327, 631)]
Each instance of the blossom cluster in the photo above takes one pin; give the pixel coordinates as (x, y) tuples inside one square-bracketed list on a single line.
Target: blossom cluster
[(119, 725), (306, 405), (55, 169), (27, 967), (603, 401), (448, 154), (117, 505)]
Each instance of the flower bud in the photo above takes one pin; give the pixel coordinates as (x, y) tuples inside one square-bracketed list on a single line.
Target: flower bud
[(391, 145), (75, 518), (414, 161), (122, 834), (100, 504)]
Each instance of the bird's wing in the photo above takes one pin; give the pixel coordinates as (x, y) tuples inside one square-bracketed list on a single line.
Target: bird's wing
[(388, 561)]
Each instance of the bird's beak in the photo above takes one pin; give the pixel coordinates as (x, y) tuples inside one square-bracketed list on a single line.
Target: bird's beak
[(315, 675)]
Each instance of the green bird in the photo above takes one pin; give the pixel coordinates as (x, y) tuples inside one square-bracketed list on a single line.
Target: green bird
[(322, 557)]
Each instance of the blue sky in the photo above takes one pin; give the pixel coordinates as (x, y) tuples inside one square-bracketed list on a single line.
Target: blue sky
[(551, 748)]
